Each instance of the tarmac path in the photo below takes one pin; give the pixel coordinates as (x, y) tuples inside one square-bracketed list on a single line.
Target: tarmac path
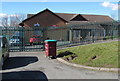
[(34, 65)]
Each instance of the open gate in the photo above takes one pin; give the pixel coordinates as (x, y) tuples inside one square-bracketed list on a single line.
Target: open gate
[(21, 39)]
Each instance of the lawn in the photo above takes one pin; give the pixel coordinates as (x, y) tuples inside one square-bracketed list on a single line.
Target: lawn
[(96, 55)]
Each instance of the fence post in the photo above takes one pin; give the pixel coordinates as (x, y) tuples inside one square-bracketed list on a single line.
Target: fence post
[(23, 40), (21, 32), (1, 30), (71, 35), (43, 34), (93, 35)]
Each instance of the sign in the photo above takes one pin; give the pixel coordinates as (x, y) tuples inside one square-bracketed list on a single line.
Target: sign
[(36, 25)]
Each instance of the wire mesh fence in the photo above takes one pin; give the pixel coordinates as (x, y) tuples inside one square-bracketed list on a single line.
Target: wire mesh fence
[(83, 33), (21, 39), (32, 38)]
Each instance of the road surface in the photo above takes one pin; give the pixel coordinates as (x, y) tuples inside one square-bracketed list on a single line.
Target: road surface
[(34, 65)]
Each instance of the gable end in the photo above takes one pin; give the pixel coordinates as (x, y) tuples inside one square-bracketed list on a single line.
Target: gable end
[(78, 17)]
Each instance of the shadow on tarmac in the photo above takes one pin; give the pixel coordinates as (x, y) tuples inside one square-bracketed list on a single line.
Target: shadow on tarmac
[(24, 76), (16, 62)]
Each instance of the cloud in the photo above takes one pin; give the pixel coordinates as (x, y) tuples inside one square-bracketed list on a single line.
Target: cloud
[(13, 15), (43, 1), (7, 15), (110, 5), (3, 15)]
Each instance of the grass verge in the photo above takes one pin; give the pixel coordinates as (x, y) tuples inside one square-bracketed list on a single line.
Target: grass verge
[(95, 55)]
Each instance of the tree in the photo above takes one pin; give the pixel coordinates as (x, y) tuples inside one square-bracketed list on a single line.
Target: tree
[(4, 21), (12, 20), (114, 16)]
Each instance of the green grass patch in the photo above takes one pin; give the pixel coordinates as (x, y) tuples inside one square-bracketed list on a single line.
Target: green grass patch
[(96, 55)]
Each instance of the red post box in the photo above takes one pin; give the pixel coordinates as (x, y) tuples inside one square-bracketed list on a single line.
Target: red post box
[(50, 48)]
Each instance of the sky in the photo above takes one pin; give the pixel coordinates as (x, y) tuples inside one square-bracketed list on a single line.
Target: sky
[(97, 8), (58, 0)]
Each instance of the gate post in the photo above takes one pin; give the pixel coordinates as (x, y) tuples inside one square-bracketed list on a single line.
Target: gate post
[(43, 34), (23, 42), (21, 32), (71, 35)]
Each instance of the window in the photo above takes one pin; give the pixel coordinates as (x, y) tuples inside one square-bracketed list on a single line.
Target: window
[(76, 33)]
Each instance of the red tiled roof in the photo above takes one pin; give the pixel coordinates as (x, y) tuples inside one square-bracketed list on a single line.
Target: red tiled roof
[(68, 17), (29, 16), (65, 16), (97, 18)]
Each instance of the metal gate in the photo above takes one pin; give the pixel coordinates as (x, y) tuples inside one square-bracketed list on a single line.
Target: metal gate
[(21, 39)]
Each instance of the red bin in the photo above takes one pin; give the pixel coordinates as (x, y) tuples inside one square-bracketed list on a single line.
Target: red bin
[(50, 48)]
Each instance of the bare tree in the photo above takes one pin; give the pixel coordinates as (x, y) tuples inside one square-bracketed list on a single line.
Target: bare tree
[(112, 16), (12, 20), (4, 21)]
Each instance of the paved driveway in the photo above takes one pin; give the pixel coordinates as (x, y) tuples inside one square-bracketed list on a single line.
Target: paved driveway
[(34, 65)]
